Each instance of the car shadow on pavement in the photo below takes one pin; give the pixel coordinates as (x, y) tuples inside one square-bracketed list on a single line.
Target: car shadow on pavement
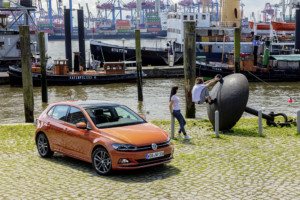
[(131, 176)]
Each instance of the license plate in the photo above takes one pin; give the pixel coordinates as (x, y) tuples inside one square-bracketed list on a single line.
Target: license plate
[(155, 155)]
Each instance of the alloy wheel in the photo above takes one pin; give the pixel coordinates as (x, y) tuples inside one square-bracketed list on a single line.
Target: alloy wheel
[(102, 161)]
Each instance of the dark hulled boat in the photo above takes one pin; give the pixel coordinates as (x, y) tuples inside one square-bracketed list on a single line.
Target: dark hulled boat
[(150, 56), (112, 73), (283, 68)]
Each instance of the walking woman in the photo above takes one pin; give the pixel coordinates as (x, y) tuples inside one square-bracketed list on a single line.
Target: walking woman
[(175, 112)]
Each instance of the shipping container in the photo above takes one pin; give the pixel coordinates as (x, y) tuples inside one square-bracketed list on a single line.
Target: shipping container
[(124, 31), (152, 14), (105, 28), (123, 22), (122, 27), (48, 31), (154, 29), (45, 28), (154, 26), (46, 25), (149, 20), (153, 23)]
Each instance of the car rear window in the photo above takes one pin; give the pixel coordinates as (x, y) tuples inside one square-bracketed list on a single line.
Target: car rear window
[(60, 113)]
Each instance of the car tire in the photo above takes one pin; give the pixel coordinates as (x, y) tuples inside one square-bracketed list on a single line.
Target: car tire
[(43, 146), (101, 161)]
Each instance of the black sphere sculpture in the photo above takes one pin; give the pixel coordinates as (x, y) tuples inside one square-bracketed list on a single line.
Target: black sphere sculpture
[(231, 94)]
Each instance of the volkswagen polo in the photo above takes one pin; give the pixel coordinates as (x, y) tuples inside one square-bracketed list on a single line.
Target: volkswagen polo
[(108, 135)]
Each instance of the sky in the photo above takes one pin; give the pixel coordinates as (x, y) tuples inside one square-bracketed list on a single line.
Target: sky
[(255, 6)]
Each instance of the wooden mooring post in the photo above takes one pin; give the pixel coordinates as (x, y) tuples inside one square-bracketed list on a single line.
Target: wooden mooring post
[(26, 73), (237, 47), (138, 54), (43, 67), (189, 57)]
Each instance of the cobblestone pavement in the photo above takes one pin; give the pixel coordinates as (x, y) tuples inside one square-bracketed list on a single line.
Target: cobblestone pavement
[(236, 166)]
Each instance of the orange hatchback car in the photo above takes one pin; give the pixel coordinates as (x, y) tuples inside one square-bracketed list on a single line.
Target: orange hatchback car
[(108, 135)]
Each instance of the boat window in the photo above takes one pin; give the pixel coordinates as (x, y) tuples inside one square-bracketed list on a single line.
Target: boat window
[(192, 17), (185, 17), (60, 112), (18, 45), (2, 45), (75, 116), (203, 17)]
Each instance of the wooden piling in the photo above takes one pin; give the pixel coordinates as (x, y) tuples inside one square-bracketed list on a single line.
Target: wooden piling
[(26, 73), (138, 54), (237, 41), (68, 35), (189, 57), (43, 67)]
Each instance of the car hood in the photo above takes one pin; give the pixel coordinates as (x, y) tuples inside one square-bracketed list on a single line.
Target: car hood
[(139, 135)]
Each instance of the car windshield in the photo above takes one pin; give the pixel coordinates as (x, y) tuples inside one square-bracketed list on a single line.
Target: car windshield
[(113, 116)]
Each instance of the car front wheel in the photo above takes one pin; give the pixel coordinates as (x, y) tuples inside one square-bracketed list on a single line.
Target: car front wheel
[(43, 146), (101, 161)]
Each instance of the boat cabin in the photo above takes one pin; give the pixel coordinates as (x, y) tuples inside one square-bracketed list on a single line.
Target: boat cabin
[(114, 67), (246, 62), (61, 67), (285, 62)]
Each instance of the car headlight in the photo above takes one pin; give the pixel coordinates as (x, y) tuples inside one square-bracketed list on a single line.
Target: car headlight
[(124, 147), (169, 140)]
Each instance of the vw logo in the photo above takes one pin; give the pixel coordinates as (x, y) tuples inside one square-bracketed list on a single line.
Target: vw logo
[(154, 146)]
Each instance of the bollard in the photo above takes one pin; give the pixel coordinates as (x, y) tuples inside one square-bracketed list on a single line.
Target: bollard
[(298, 122), (217, 123), (260, 122), (172, 126)]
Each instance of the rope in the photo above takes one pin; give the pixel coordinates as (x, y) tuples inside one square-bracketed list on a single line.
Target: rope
[(266, 83)]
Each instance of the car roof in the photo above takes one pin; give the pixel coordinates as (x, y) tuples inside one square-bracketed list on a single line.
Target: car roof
[(88, 103)]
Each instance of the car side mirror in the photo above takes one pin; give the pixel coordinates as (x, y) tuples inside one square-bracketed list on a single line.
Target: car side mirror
[(81, 125)]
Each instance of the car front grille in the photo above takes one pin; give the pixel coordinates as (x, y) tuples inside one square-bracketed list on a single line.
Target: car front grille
[(153, 159), (149, 147)]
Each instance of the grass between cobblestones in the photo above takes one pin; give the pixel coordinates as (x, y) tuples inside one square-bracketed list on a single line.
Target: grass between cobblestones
[(238, 165)]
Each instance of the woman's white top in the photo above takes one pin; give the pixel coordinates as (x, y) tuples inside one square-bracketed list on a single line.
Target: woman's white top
[(175, 99)]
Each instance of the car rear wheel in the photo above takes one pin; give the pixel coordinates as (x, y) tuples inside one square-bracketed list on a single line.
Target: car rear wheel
[(101, 161), (43, 146)]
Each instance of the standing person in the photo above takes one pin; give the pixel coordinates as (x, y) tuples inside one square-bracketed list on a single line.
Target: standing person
[(175, 112), (200, 92)]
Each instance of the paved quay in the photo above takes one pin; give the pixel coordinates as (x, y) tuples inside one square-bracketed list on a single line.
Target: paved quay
[(239, 165)]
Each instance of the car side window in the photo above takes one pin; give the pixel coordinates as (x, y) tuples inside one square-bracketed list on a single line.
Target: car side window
[(50, 112), (60, 112), (75, 116)]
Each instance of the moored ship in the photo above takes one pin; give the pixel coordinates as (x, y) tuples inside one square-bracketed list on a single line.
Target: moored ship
[(60, 75)]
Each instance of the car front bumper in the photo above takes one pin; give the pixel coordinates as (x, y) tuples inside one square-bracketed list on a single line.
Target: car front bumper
[(138, 158)]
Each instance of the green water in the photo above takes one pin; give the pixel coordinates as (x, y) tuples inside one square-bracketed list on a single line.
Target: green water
[(272, 96)]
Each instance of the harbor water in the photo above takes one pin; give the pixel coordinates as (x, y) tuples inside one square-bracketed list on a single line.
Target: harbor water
[(273, 96)]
